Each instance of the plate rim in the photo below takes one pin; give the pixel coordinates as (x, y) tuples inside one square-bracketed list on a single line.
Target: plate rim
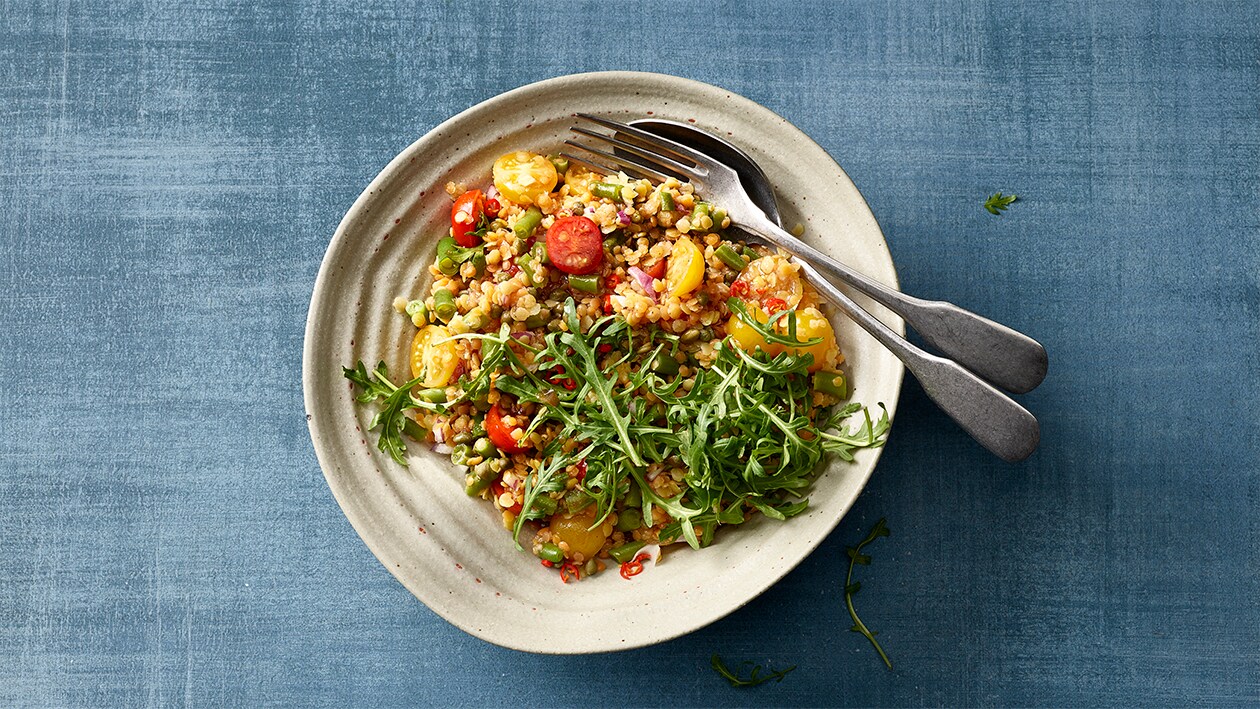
[(389, 172)]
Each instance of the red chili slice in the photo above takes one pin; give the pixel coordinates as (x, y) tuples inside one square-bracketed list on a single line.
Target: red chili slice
[(567, 569), (774, 305), (575, 245)]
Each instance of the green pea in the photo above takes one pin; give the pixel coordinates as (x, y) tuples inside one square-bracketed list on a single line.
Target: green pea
[(634, 498), (629, 519), (551, 552), (463, 438), (626, 552)]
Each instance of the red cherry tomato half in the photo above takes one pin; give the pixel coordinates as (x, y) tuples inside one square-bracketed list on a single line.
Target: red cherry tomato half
[(466, 214), (501, 434), (657, 269), (575, 245)]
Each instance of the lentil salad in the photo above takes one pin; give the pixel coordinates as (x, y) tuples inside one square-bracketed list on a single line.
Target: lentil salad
[(614, 372)]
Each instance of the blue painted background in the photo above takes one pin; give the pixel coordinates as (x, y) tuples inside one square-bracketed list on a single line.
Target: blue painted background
[(170, 174)]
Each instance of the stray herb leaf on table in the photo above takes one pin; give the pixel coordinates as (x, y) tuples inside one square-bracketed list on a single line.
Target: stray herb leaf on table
[(851, 587), (754, 678), (998, 203)]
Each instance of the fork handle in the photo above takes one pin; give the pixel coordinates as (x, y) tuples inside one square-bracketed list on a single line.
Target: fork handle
[(996, 421), (999, 354)]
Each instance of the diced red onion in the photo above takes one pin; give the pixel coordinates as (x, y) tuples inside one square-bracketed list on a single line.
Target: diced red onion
[(646, 282), (493, 192), (442, 448), (623, 218), (652, 550), (438, 435)]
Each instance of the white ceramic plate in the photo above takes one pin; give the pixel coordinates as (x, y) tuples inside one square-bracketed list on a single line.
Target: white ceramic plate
[(452, 552)]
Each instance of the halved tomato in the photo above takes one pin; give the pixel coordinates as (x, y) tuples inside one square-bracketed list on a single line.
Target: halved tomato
[(500, 432), (466, 214), (575, 245)]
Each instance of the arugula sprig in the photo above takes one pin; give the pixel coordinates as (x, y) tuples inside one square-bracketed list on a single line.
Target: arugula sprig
[(998, 203), (767, 329), (397, 399), (851, 587), (754, 678)]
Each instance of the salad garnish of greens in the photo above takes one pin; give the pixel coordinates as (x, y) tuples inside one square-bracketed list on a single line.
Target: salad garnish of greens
[(613, 371)]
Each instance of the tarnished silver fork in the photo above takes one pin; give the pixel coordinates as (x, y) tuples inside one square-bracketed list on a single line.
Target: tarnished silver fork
[(1000, 354)]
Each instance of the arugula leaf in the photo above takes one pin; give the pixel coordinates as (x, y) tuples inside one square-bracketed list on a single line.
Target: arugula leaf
[(397, 399), (998, 203), (754, 678), (851, 587)]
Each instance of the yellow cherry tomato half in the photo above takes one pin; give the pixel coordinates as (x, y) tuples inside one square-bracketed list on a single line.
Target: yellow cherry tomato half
[(810, 323), (746, 337), (685, 270), (435, 363), (523, 177), (574, 530)]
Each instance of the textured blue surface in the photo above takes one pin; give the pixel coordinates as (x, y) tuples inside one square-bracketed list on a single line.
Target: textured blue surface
[(171, 173)]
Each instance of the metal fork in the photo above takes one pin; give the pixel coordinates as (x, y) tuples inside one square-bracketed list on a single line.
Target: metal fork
[(1013, 360)]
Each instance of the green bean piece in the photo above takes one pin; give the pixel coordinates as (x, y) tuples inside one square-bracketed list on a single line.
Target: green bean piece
[(629, 519), (414, 430), (626, 552), (664, 365), (561, 164), (444, 305), (750, 253), (551, 552), (484, 447), (576, 500), (479, 478), (832, 383), (536, 321), (544, 506), (539, 252), (719, 216), (527, 223), (479, 263), (606, 190), (526, 264), (586, 284), (667, 201), (459, 454), (433, 396), (448, 266), (476, 319), (463, 438), (634, 498), (699, 213), (729, 256)]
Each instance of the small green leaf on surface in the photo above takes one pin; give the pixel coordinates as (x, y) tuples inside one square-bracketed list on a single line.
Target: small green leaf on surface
[(851, 587), (998, 202), (754, 678)]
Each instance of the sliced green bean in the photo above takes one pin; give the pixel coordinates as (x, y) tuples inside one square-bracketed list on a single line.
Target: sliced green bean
[(729, 256), (551, 552), (539, 252), (536, 321), (561, 164), (664, 364), (719, 216), (750, 253), (634, 498), (629, 519), (476, 319), (544, 506), (832, 383), (527, 223), (667, 201), (526, 264), (607, 190), (626, 552), (484, 447), (433, 396), (413, 429), (586, 284), (459, 454), (479, 478), (448, 266), (444, 305)]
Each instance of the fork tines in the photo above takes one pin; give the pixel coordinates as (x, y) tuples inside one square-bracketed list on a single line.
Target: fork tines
[(636, 152)]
